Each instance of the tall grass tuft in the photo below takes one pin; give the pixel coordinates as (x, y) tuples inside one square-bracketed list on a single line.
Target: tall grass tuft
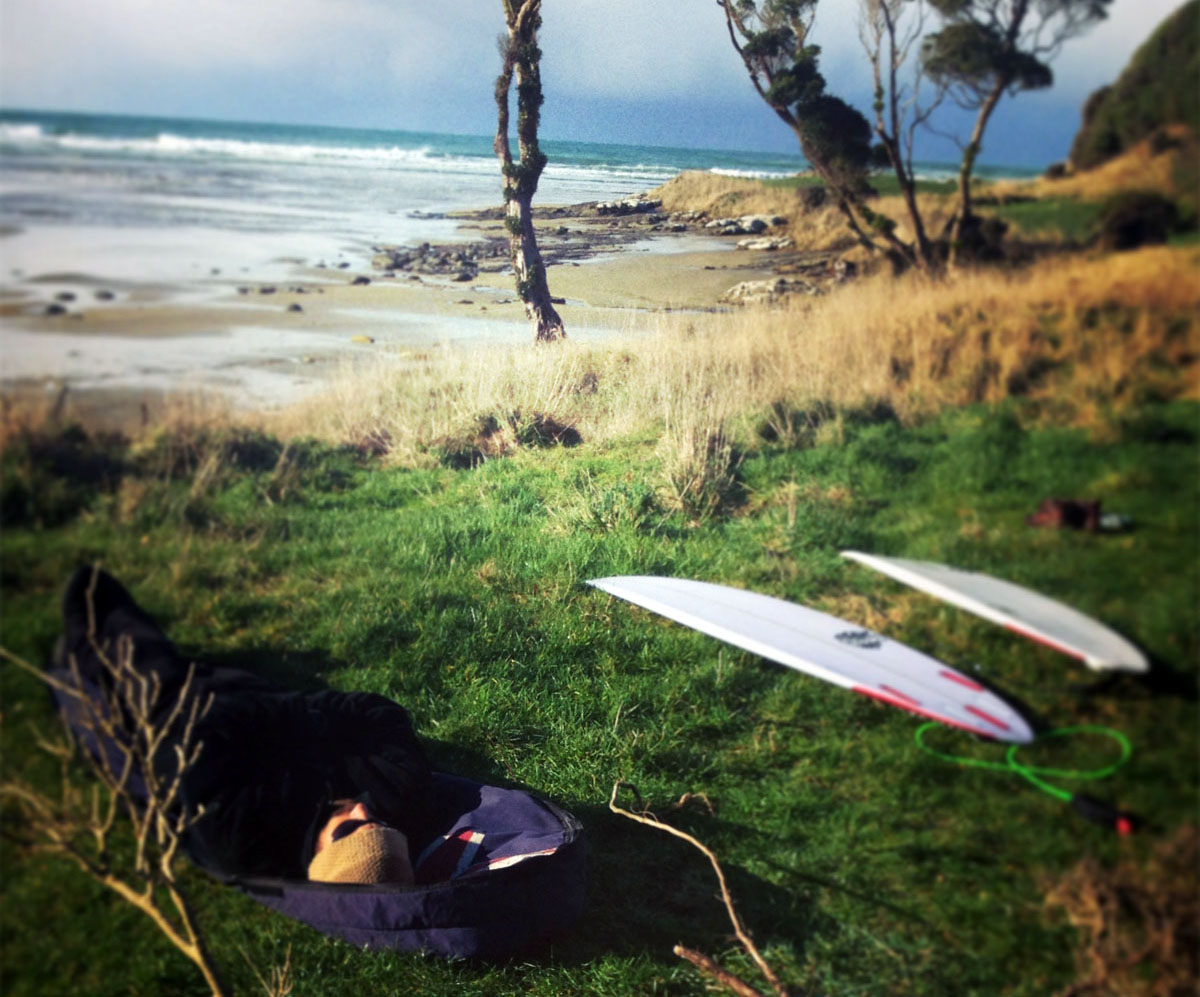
[(699, 463)]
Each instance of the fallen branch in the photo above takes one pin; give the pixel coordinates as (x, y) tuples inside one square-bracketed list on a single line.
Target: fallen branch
[(717, 972), (129, 736), (703, 962)]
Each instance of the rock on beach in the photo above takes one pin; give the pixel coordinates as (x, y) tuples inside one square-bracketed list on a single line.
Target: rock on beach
[(770, 291), (767, 244), (744, 225)]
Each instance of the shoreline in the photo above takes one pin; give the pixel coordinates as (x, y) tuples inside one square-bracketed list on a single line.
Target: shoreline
[(121, 347)]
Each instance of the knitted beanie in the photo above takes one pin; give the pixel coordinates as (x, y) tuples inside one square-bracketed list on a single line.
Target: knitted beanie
[(371, 854)]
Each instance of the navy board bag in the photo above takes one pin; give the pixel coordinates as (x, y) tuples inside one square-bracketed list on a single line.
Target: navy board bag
[(503, 871)]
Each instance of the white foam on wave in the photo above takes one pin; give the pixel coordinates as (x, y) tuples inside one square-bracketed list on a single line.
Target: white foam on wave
[(176, 146), (724, 171), (172, 145), (21, 134)]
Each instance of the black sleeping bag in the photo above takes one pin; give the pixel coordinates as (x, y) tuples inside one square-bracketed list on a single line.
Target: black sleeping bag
[(496, 869)]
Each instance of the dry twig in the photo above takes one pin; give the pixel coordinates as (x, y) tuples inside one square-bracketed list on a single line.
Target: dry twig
[(703, 962), (137, 749)]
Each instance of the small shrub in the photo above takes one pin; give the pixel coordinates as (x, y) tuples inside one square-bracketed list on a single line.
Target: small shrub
[(790, 427), (1137, 218), (491, 437), (545, 431), (630, 505), (700, 474), (813, 197), (48, 476), (1137, 922)]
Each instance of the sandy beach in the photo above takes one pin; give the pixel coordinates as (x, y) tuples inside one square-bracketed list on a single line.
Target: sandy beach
[(121, 348)]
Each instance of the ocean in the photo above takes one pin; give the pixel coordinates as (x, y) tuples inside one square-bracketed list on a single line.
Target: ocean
[(143, 207), (313, 184), (324, 189)]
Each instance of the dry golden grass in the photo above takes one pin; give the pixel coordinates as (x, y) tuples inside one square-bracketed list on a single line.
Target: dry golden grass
[(1169, 167), (722, 196), (1141, 168), (727, 197), (130, 413), (1138, 922), (1081, 337)]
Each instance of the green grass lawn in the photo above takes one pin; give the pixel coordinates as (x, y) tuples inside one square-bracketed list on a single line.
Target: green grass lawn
[(860, 865), (1065, 218)]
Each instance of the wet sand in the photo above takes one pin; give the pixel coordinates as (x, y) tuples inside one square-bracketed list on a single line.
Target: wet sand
[(124, 348)]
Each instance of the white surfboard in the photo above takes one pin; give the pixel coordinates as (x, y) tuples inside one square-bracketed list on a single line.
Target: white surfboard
[(1021, 610), (832, 649)]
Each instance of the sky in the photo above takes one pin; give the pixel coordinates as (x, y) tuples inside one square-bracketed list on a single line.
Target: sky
[(659, 72)]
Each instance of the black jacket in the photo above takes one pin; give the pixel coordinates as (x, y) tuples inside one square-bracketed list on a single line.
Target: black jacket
[(273, 760)]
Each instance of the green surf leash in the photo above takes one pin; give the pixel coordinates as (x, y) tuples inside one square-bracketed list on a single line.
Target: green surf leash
[(1087, 807)]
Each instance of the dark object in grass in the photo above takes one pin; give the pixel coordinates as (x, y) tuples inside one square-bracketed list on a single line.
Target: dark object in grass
[(1076, 514), (1058, 513), (526, 888)]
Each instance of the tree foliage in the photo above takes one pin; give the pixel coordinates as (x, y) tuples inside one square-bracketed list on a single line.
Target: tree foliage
[(772, 38), (971, 59), (1160, 86), (981, 51), (987, 49)]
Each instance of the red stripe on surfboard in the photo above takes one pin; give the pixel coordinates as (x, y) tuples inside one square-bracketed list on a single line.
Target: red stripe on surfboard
[(1046, 642), (986, 716), (899, 695), (961, 680), (883, 697)]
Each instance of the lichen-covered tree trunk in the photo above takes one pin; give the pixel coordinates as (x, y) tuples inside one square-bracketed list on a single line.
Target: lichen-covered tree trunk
[(965, 217), (522, 59)]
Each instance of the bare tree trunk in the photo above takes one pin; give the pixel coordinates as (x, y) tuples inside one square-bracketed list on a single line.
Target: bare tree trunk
[(530, 272), (966, 215), (888, 115), (522, 59)]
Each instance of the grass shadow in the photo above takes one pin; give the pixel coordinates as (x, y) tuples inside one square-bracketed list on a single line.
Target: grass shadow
[(649, 891)]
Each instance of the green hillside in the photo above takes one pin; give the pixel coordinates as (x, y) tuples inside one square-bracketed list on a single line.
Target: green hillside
[(1160, 86)]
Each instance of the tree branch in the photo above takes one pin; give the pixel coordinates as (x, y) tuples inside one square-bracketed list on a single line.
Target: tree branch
[(124, 732), (743, 936)]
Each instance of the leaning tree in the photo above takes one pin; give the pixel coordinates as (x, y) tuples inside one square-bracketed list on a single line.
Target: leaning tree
[(773, 39), (521, 58), (988, 48)]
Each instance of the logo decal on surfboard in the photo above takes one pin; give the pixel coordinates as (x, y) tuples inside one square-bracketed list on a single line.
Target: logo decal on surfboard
[(860, 638)]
